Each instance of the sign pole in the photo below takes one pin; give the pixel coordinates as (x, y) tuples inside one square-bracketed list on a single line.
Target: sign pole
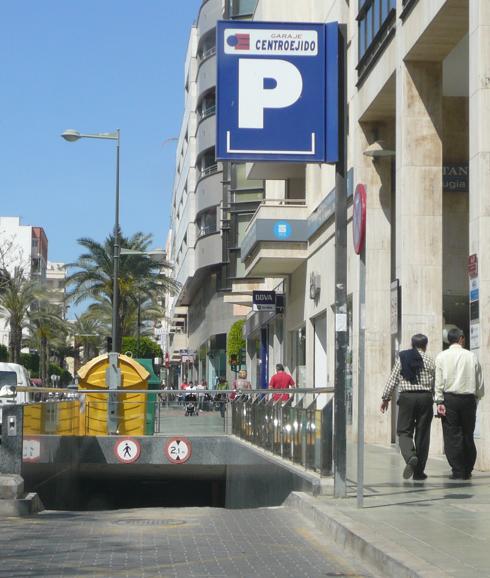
[(360, 380), (341, 334)]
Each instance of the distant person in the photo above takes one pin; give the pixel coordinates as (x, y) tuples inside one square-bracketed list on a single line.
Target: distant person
[(413, 375), (221, 397), (459, 387), (200, 396), (240, 383), (281, 380)]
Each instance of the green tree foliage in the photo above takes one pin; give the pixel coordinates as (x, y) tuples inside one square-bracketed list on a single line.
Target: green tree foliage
[(4, 353), (88, 335), (47, 330), (139, 279), (17, 294), (31, 362), (235, 340), (148, 349), (65, 376)]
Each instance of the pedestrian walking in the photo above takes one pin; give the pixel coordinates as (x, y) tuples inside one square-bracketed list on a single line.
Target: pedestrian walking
[(458, 388), (281, 380), (413, 375)]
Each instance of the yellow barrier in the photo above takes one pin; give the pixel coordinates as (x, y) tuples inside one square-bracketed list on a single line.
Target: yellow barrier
[(131, 406)]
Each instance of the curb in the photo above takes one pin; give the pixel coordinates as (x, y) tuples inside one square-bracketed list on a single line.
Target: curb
[(383, 556)]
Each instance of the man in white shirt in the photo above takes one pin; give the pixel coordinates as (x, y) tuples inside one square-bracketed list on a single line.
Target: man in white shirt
[(458, 387)]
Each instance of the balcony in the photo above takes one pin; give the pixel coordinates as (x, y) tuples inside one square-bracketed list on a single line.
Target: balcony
[(209, 191), (276, 238), (206, 76), (208, 250), (206, 134), (211, 10)]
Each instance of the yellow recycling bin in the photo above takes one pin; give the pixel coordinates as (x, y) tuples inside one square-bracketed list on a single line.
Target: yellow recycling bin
[(131, 407)]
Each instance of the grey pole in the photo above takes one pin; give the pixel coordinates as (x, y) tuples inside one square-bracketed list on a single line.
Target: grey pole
[(115, 284), (341, 335), (360, 380)]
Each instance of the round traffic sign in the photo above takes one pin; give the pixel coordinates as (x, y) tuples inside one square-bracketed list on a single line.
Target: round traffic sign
[(359, 218), (178, 450), (127, 450)]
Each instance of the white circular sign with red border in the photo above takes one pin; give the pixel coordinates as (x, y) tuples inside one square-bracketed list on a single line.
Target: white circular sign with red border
[(127, 450), (178, 450)]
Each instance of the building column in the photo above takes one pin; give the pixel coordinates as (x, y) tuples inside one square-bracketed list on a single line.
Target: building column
[(479, 95), (419, 258), (375, 174)]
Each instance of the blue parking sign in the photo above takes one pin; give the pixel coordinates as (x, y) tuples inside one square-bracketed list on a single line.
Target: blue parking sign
[(277, 91)]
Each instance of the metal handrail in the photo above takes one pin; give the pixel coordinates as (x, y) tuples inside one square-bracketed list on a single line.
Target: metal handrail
[(209, 170), (275, 203), (207, 112), (207, 54), (293, 390)]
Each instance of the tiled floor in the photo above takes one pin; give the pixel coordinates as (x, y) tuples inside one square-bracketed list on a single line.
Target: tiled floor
[(444, 522), (169, 542)]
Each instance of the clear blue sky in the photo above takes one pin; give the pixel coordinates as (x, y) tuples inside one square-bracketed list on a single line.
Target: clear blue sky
[(94, 66)]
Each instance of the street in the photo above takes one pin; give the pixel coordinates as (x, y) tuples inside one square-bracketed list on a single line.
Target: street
[(169, 542)]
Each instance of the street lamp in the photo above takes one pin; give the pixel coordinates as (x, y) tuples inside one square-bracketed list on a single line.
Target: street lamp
[(71, 135), (158, 255)]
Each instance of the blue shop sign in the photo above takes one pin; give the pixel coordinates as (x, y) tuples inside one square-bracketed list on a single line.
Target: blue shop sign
[(282, 230), (277, 91)]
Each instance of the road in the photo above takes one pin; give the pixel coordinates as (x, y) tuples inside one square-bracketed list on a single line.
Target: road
[(156, 542)]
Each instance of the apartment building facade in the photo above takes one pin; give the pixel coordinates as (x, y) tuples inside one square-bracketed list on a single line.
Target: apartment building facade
[(22, 247), (418, 120), (211, 205)]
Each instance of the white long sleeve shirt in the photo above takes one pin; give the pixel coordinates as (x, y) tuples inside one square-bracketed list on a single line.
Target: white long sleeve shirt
[(458, 371)]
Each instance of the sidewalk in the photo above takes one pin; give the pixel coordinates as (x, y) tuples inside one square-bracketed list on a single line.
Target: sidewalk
[(435, 528)]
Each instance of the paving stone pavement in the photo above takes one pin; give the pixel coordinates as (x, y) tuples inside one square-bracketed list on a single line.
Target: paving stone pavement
[(157, 542)]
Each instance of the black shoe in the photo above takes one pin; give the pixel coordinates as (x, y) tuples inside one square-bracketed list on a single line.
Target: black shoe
[(467, 477), (410, 467), (456, 477), (420, 477)]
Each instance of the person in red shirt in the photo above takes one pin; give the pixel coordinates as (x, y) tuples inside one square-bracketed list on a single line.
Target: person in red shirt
[(281, 380)]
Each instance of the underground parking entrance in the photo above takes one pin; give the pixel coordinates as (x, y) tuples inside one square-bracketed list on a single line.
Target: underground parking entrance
[(224, 472)]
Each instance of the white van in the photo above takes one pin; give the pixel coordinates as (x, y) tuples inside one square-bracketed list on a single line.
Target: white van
[(13, 375)]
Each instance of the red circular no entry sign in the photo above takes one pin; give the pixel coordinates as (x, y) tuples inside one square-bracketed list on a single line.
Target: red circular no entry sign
[(359, 218)]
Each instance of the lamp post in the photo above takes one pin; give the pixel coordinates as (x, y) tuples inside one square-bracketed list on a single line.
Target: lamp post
[(71, 135)]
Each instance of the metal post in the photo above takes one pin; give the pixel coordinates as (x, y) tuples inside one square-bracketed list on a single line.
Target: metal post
[(113, 380), (341, 334), (115, 283), (360, 379), (138, 333)]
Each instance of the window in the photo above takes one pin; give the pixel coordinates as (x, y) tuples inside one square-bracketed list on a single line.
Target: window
[(376, 19), (242, 8), (207, 106), (239, 179), (206, 222), (207, 162), (207, 46)]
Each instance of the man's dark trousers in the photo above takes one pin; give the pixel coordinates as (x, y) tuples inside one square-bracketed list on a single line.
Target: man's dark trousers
[(415, 413), (458, 428)]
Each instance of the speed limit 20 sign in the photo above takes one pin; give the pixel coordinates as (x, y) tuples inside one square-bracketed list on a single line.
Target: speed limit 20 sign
[(178, 450)]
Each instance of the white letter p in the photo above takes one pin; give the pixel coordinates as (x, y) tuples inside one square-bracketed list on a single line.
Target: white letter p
[(254, 97)]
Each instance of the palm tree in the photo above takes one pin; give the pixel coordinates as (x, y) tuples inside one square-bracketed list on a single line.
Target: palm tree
[(47, 329), (92, 279), (87, 333), (17, 294)]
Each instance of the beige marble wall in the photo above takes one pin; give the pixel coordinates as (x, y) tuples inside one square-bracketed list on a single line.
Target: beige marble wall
[(419, 200), (479, 34), (376, 175)]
